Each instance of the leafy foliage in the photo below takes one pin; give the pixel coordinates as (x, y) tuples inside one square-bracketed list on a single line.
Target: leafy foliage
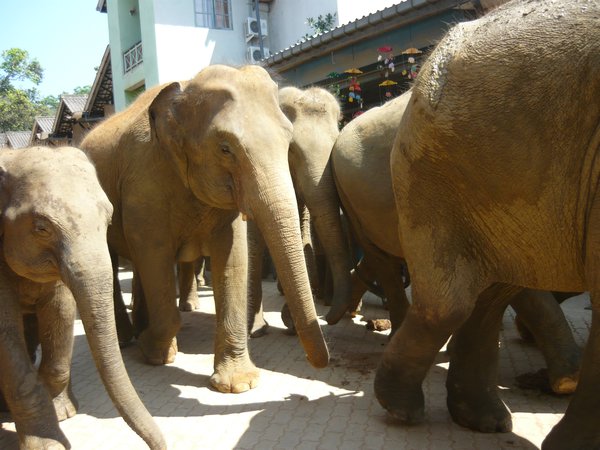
[(19, 106), (321, 24)]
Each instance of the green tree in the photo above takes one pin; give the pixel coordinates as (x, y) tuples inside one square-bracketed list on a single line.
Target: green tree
[(18, 106), (321, 24)]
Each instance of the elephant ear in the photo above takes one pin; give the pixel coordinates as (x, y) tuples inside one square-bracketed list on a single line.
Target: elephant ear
[(162, 114), (166, 126)]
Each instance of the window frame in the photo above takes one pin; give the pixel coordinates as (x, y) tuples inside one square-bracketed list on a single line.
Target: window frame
[(213, 14)]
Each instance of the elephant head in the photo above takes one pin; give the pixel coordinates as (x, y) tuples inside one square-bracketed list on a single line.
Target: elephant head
[(53, 228), (229, 142), (315, 114)]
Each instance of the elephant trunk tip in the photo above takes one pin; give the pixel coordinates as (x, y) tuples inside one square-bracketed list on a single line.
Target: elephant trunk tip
[(320, 362)]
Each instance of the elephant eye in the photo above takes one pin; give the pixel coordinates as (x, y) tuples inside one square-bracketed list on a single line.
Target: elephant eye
[(225, 149), (41, 227)]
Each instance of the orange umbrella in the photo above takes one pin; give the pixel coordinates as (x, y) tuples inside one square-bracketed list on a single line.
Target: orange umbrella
[(412, 51)]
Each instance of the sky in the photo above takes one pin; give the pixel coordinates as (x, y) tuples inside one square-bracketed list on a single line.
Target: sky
[(67, 37)]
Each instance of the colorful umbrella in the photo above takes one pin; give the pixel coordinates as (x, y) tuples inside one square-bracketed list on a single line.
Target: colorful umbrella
[(353, 71), (387, 83), (412, 51)]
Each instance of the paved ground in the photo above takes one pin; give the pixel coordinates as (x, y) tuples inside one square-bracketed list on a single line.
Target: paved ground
[(296, 406)]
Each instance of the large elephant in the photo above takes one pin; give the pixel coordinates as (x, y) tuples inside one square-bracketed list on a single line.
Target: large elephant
[(179, 165), (315, 114), (53, 234), (495, 172), (362, 152)]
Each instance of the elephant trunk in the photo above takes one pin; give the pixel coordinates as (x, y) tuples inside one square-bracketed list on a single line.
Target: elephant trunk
[(92, 287), (275, 211), (324, 206)]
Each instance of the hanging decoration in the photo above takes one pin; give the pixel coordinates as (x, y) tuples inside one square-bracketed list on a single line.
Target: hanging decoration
[(354, 89), (387, 83), (386, 60), (412, 51), (414, 70)]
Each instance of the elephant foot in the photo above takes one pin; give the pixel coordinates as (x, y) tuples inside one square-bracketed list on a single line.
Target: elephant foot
[(259, 328), (480, 411), (192, 303), (404, 403), (65, 404), (579, 434), (155, 353), (235, 378), (56, 442), (544, 381)]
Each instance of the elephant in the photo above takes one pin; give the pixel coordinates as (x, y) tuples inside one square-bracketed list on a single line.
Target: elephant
[(54, 261), (314, 114), (185, 166), (495, 178), (362, 151)]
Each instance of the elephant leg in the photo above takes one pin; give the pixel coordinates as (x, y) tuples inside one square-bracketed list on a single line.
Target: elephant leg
[(56, 316), (361, 276), (578, 428), (543, 317), (155, 305), (440, 305), (233, 369), (200, 271), (28, 401), (473, 399), (188, 286), (125, 330), (257, 325)]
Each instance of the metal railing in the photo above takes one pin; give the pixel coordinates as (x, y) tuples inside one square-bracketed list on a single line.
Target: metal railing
[(133, 57)]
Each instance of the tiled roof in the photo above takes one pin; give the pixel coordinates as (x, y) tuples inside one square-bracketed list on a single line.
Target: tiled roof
[(3, 140), (75, 103), (18, 139), (69, 105), (45, 123)]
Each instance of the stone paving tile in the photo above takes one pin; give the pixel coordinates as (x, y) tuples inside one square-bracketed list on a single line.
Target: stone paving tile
[(297, 406)]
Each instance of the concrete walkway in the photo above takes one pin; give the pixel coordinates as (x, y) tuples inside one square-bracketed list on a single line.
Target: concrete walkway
[(296, 406)]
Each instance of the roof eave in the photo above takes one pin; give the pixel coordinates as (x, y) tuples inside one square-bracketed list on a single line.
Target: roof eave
[(388, 19)]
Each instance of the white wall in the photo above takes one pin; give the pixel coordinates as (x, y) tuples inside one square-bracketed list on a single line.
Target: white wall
[(184, 49), (287, 20), (350, 10)]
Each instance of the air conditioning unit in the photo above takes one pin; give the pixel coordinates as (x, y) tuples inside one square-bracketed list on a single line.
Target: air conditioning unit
[(254, 54), (252, 27)]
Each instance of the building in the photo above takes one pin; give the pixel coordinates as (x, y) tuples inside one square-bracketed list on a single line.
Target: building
[(42, 129), (14, 139), (155, 41)]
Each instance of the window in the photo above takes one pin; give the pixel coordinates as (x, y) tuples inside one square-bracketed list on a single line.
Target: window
[(213, 13)]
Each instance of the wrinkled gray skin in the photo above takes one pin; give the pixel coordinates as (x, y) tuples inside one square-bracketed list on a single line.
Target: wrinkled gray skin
[(495, 178), (362, 152), (179, 165), (53, 231), (315, 115)]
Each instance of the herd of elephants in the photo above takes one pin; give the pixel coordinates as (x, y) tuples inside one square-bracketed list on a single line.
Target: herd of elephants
[(482, 179)]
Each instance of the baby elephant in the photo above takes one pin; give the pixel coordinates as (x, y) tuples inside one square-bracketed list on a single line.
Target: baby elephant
[(53, 256)]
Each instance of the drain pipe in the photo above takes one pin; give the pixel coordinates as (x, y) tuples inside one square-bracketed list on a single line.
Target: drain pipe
[(260, 36)]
